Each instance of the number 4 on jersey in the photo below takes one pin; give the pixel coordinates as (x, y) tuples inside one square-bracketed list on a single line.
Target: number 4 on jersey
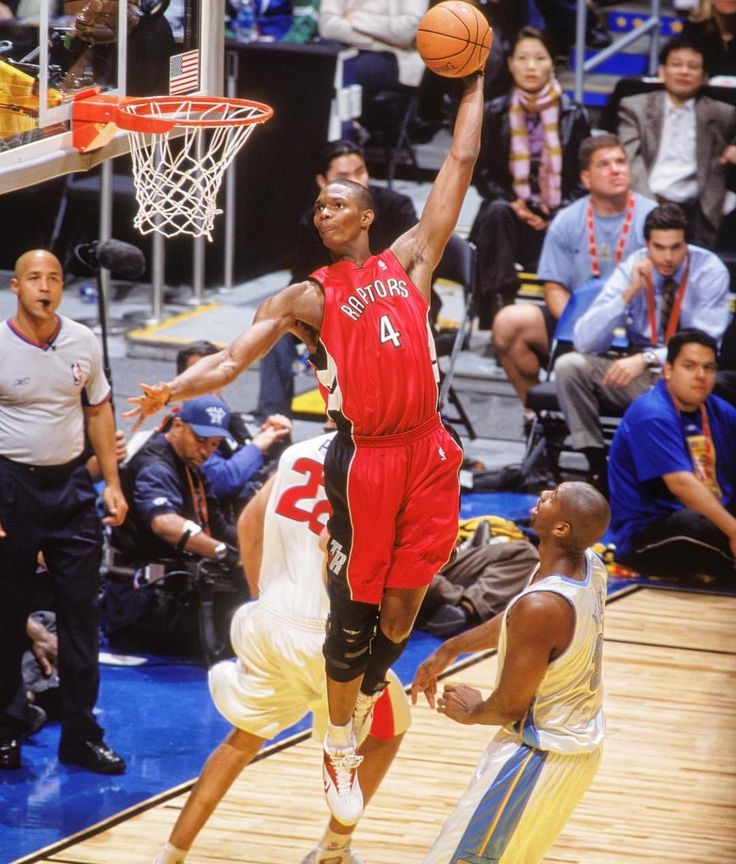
[(388, 332)]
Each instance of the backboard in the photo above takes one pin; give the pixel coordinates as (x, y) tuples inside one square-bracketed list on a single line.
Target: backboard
[(57, 49)]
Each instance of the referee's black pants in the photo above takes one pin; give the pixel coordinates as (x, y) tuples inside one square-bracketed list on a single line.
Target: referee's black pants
[(51, 511)]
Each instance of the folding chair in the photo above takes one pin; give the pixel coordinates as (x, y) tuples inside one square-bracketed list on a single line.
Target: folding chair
[(549, 431), (458, 265)]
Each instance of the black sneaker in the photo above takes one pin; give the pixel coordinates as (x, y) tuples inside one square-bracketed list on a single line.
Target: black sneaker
[(94, 756)]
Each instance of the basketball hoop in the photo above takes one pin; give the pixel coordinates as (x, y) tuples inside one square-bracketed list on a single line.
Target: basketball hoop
[(181, 147)]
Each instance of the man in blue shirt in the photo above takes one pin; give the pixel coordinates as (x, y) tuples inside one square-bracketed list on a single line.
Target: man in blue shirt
[(672, 470), (659, 289), (585, 241)]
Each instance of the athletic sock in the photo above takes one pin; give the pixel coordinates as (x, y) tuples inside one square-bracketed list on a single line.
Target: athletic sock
[(171, 855), (339, 737)]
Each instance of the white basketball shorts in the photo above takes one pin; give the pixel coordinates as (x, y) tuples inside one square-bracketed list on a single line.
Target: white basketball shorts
[(279, 675), (515, 806)]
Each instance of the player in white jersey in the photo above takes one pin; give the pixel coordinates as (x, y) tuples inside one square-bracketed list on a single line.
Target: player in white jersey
[(547, 696), (278, 675)]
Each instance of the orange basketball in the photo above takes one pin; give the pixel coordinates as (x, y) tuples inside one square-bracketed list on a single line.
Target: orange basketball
[(454, 39)]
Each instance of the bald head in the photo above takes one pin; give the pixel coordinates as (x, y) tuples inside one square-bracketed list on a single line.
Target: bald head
[(38, 259), (587, 512)]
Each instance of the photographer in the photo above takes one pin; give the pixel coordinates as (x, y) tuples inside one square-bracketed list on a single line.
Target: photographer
[(175, 550)]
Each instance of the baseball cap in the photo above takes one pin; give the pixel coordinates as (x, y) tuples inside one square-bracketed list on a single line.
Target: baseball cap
[(207, 415)]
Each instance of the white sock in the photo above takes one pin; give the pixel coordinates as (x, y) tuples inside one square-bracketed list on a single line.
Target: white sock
[(340, 737), (171, 855)]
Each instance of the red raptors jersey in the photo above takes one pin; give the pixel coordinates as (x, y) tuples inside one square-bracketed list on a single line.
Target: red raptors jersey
[(376, 365)]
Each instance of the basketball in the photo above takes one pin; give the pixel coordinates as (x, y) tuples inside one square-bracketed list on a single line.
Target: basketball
[(453, 39)]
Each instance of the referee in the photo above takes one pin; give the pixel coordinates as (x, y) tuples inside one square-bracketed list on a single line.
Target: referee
[(52, 390)]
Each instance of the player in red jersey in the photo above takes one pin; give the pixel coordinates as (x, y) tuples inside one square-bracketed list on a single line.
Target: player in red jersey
[(392, 471)]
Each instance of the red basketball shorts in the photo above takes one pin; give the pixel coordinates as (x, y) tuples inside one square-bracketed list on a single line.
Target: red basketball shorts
[(395, 502)]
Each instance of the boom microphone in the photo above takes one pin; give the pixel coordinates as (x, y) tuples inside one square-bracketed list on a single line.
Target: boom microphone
[(123, 260)]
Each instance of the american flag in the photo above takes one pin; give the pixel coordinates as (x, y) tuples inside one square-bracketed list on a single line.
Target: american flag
[(184, 73)]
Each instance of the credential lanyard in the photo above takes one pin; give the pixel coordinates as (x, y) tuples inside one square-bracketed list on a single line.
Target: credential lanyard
[(625, 228), (199, 498), (706, 471), (703, 458)]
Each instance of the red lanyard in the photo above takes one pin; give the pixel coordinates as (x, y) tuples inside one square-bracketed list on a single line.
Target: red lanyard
[(703, 461), (674, 314), (625, 228), (199, 499)]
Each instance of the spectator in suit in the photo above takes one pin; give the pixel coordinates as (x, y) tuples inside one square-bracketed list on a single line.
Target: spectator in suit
[(681, 144), (527, 170), (394, 214), (657, 290), (673, 471)]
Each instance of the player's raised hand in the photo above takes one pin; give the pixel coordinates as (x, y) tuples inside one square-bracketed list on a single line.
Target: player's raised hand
[(151, 402)]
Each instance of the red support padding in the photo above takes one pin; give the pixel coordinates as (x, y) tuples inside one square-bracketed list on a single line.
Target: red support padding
[(96, 118)]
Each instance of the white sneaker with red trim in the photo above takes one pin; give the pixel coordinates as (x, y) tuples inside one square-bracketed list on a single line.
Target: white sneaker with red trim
[(342, 790)]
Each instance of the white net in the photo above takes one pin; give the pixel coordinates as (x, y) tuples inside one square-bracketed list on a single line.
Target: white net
[(177, 174)]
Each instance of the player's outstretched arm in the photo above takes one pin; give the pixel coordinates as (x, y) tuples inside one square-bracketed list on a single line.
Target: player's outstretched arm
[(276, 316), (420, 249)]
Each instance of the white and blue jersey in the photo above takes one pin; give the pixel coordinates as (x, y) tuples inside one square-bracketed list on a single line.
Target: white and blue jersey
[(534, 772), (566, 713)]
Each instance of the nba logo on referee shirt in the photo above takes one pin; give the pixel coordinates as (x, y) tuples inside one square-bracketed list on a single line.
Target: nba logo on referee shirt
[(77, 374)]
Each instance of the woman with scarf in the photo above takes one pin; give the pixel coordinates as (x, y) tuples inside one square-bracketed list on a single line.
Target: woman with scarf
[(527, 170)]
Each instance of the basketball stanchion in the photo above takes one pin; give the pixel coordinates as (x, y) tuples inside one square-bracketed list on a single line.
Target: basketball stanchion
[(228, 267)]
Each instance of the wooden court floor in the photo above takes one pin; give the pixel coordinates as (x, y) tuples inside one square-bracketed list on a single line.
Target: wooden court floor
[(666, 790)]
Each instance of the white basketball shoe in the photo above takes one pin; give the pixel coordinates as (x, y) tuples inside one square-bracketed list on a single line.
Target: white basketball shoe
[(363, 715), (342, 790)]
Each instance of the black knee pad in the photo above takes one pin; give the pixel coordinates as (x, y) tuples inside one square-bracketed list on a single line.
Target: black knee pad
[(384, 653), (350, 628)]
